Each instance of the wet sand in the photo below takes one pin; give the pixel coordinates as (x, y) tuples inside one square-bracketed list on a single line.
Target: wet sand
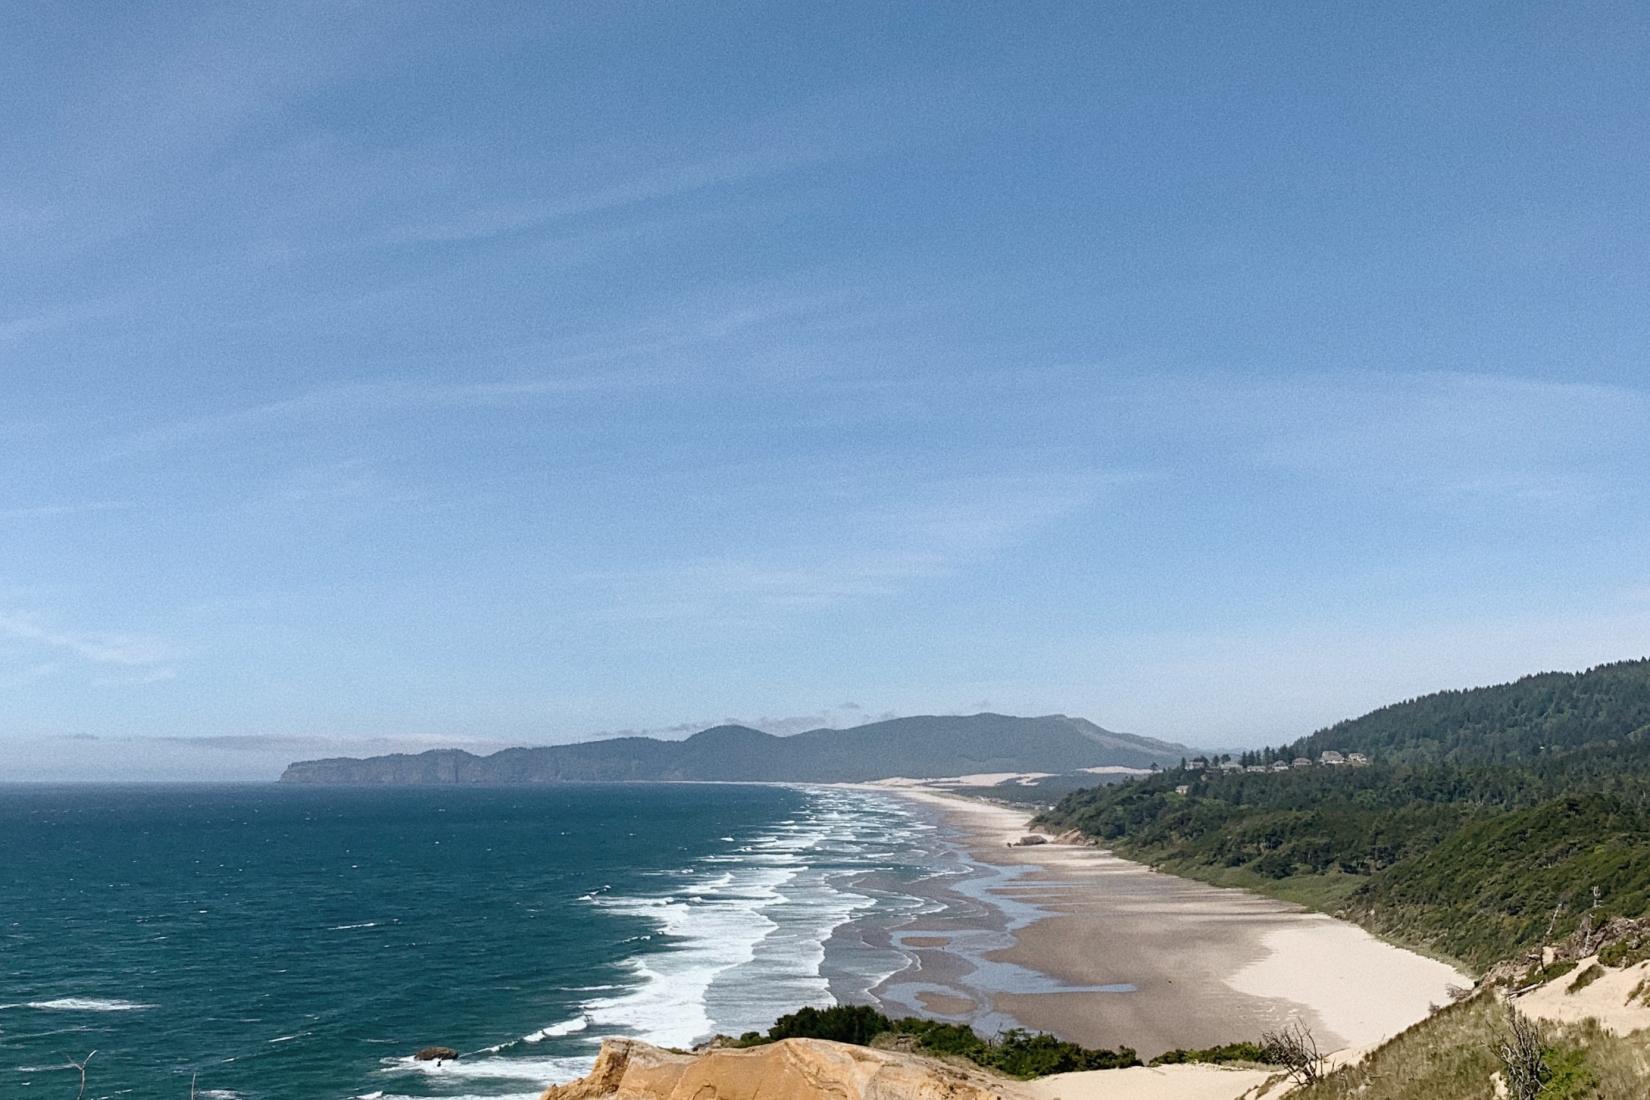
[(1102, 951)]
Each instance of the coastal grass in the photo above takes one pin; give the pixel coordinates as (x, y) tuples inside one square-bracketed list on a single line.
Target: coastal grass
[(1451, 1055)]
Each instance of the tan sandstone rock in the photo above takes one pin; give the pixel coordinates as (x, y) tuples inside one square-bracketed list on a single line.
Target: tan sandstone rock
[(792, 1069)]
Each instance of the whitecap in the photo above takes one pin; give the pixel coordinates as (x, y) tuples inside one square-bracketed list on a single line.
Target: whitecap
[(540, 1071), (566, 1027), (84, 1004)]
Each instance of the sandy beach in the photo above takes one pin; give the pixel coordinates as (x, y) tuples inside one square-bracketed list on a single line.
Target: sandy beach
[(1072, 940)]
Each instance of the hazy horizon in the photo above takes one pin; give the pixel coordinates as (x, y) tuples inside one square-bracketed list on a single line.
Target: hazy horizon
[(508, 375)]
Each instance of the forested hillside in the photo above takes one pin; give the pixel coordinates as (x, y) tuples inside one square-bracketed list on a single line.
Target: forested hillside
[(1483, 825), (1553, 712)]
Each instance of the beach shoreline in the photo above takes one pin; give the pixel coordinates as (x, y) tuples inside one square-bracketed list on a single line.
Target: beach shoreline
[(1075, 941)]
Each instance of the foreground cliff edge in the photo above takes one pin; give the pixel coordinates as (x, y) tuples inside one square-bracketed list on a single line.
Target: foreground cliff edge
[(804, 1069), (1593, 1026)]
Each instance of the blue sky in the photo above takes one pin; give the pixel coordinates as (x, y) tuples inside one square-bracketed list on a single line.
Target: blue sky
[(390, 375)]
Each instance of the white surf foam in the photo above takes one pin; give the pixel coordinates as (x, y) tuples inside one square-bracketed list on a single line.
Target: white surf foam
[(566, 1027), (540, 1071), (82, 1004), (747, 930)]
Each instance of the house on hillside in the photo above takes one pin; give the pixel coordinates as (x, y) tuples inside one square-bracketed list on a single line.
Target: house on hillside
[(1357, 759), (1230, 766), (1331, 757), (1280, 765), (1301, 762), (1183, 790), (1196, 764), (1257, 768)]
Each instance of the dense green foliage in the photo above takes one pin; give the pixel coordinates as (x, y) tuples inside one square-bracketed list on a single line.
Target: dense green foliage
[(1553, 712), (1509, 878), (1226, 1052), (1484, 826), (1016, 1053), (857, 1024)]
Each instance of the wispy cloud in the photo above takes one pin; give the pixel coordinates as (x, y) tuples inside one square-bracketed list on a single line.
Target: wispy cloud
[(651, 184), (851, 537), (1445, 436), (28, 674), (841, 716), (130, 651), (369, 398), (53, 511)]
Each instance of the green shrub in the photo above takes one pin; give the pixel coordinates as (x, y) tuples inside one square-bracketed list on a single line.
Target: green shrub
[(1570, 1076), (856, 1024), (1584, 979), (1626, 952), (1016, 1053), (1229, 1052)]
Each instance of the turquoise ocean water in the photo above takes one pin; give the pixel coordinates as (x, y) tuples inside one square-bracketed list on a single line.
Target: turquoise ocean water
[(301, 944)]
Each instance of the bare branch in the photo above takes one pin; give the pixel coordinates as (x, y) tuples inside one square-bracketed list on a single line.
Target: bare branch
[(1296, 1050), (81, 1066), (1521, 1057)]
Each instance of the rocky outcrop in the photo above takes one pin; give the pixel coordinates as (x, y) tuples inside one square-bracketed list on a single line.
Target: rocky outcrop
[(435, 1054), (792, 1069)]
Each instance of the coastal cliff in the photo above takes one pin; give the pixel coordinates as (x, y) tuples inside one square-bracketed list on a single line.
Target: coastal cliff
[(817, 1069), (628, 1069)]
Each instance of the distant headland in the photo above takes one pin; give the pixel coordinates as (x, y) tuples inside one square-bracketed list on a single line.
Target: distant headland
[(920, 747)]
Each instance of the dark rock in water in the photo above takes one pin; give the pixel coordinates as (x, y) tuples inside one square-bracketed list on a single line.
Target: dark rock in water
[(435, 1054)]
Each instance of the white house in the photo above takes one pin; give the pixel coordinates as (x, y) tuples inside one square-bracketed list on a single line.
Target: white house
[(1357, 759), (1301, 762), (1330, 756), (1183, 790)]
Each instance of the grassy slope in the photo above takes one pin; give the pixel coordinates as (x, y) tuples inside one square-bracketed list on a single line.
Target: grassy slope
[(1451, 1056)]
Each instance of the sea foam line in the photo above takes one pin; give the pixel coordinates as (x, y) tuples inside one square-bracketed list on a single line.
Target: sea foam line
[(767, 909)]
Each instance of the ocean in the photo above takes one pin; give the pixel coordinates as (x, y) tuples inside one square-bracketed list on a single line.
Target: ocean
[(302, 943)]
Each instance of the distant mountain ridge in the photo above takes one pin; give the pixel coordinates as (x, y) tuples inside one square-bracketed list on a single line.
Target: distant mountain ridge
[(923, 747)]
